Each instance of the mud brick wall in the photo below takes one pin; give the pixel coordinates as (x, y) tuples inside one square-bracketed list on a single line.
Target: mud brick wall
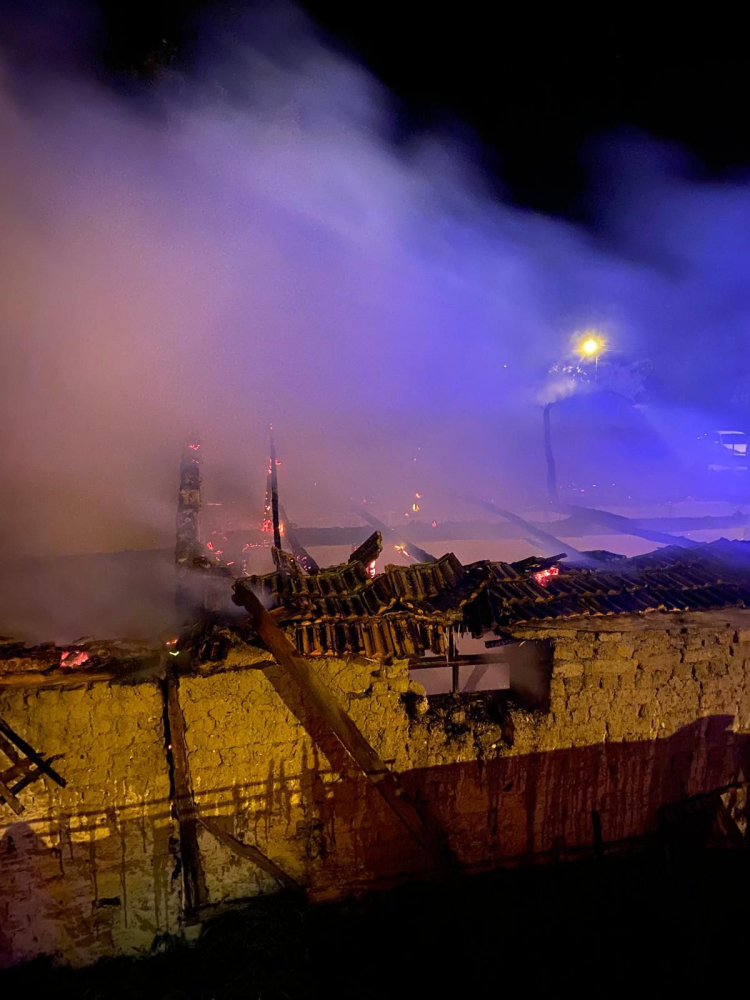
[(86, 870), (641, 712)]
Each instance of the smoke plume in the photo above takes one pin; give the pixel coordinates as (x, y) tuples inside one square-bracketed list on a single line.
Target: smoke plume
[(246, 242)]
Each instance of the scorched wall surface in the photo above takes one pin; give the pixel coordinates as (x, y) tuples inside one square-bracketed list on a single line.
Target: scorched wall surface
[(642, 711)]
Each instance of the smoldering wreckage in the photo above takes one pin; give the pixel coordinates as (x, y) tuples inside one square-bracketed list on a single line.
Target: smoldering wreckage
[(145, 787)]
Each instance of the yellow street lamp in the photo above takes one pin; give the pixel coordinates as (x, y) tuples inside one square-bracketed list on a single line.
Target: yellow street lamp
[(590, 345)]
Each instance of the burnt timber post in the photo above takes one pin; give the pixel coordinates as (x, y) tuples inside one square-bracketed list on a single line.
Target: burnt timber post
[(183, 803), (187, 542), (342, 726), (274, 493)]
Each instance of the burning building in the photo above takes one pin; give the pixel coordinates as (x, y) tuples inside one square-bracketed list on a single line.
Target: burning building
[(331, 730)]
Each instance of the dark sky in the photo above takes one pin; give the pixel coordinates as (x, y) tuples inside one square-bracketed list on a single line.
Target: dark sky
[(534, 88), (263, 232)]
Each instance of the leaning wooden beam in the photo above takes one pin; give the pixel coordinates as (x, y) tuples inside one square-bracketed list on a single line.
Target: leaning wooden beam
[(548, 542), (624, 526), (249, 852), (193, 879), (340, 723)]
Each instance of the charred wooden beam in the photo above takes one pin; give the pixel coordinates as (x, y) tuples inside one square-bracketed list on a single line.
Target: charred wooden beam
[(369, 550), (411, 547), (187, 542), (340, 724), (183, 803), (625, 526), (274, 493), (544, 539), (303, 557)]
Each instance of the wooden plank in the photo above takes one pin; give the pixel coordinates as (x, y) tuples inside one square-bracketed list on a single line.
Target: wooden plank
[(249, 852), (341, 724), (65, 678), (7, 796), (31, 753), (183, 803)]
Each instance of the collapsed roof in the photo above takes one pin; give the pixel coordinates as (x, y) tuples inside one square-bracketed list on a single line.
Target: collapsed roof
[(406, 610)]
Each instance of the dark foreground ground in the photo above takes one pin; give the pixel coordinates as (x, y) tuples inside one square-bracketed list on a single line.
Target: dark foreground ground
[(599, 928)]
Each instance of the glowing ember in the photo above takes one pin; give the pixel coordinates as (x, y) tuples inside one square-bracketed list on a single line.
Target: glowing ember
[(415, 507), (171, 642), (210, 545), (71, 659), (371, 569), (434, 524), (545, 575)]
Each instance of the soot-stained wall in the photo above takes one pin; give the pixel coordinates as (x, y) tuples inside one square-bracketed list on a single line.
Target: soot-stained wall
[(641, 712)]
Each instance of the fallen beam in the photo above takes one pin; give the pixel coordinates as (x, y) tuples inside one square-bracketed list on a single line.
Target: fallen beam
[(341, 724), (414, 550), (624, 526), (549, 543)]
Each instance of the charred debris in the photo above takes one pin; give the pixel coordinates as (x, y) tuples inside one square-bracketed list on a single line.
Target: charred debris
[(364, 608)]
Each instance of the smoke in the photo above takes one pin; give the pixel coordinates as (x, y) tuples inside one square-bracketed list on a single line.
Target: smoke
[(248, 242)]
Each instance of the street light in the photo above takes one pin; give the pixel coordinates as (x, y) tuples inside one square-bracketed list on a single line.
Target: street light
[(590, 345)]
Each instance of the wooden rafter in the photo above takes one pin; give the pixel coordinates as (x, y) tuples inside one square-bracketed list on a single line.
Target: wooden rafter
[(340, 723)]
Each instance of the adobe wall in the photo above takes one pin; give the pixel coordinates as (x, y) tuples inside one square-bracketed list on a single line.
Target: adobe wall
[(642, 711), (86, 870)]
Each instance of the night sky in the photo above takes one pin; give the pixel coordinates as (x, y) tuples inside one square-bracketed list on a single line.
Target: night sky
[(382, 227), (528, 91)]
